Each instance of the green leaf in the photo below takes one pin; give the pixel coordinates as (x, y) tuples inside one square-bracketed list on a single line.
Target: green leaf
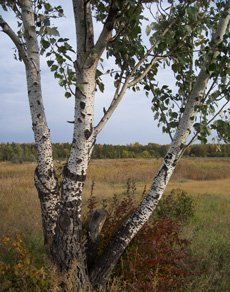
[(54, 68), (80, 86), (62, 82), (192, 11), (61, 40), (54, 31), (162, 46), (50, 63), (45, 44), (212, 67), (101, 86), (98, 73), (188, 28), (46, 21), (148, 29), (67, 94), (48, 7), (59, 58)]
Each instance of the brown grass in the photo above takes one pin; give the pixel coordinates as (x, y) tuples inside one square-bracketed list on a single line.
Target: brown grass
[(19, 203)]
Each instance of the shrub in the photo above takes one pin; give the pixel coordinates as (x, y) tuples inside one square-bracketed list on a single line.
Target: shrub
[(154, 260), (177, 205), (17, 270)]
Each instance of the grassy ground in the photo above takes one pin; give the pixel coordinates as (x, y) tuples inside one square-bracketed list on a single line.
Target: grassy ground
[(206, 179)]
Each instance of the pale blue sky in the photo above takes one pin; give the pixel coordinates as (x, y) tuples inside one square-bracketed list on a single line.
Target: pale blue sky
[(132, 121)]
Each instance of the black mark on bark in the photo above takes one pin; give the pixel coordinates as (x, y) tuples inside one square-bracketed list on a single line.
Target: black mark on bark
[(82, 105), (72, 176), (64, 222), (168, 156), (88, 133), (165, 169)]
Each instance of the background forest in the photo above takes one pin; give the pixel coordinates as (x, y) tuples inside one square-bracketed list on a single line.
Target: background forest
[(26, 152)]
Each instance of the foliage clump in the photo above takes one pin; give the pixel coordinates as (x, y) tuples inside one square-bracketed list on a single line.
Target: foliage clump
[(155, 259), (17, 268)]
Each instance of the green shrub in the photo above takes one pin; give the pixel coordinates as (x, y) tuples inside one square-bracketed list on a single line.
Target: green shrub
[(177, 205), (17, 270)]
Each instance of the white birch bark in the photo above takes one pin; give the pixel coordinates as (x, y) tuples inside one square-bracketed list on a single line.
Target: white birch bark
[(45, 181), (67, 247)]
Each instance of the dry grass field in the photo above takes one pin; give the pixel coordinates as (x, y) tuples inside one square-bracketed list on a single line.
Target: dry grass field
[(207, 180)]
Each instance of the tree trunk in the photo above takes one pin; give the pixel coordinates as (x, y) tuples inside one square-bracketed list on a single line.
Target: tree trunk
[(67, 250), (45, 181), (101, 270)]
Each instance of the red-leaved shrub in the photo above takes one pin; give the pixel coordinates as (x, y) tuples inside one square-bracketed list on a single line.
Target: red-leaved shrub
[(154, 260)]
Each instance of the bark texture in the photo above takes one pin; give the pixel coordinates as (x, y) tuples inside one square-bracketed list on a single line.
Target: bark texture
[(45, 180)]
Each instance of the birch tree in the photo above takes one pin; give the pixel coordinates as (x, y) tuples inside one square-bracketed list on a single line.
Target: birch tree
[(190, 37)]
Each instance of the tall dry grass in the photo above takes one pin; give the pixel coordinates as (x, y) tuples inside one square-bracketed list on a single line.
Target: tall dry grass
[(206, 179), (19, 203)]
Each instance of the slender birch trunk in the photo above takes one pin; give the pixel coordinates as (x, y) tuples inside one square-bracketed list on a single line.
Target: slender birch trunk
[(45, 180), (102, 269)]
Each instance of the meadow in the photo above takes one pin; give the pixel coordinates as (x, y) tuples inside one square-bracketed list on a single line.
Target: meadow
[(206, 180)]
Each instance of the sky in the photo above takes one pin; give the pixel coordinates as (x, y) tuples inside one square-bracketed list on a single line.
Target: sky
[(131, 122)]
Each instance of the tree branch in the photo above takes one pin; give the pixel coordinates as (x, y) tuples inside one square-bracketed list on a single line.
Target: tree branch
[(114, 103), (106, 34), (206, 124), (7, 30), (164, 117), (118, 96), (95, 226)]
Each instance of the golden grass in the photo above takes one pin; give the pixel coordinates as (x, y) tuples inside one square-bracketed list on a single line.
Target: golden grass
[(20, 207), (19, 204)]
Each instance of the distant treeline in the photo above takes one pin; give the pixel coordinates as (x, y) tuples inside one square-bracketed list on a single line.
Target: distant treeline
[(18, 153)]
